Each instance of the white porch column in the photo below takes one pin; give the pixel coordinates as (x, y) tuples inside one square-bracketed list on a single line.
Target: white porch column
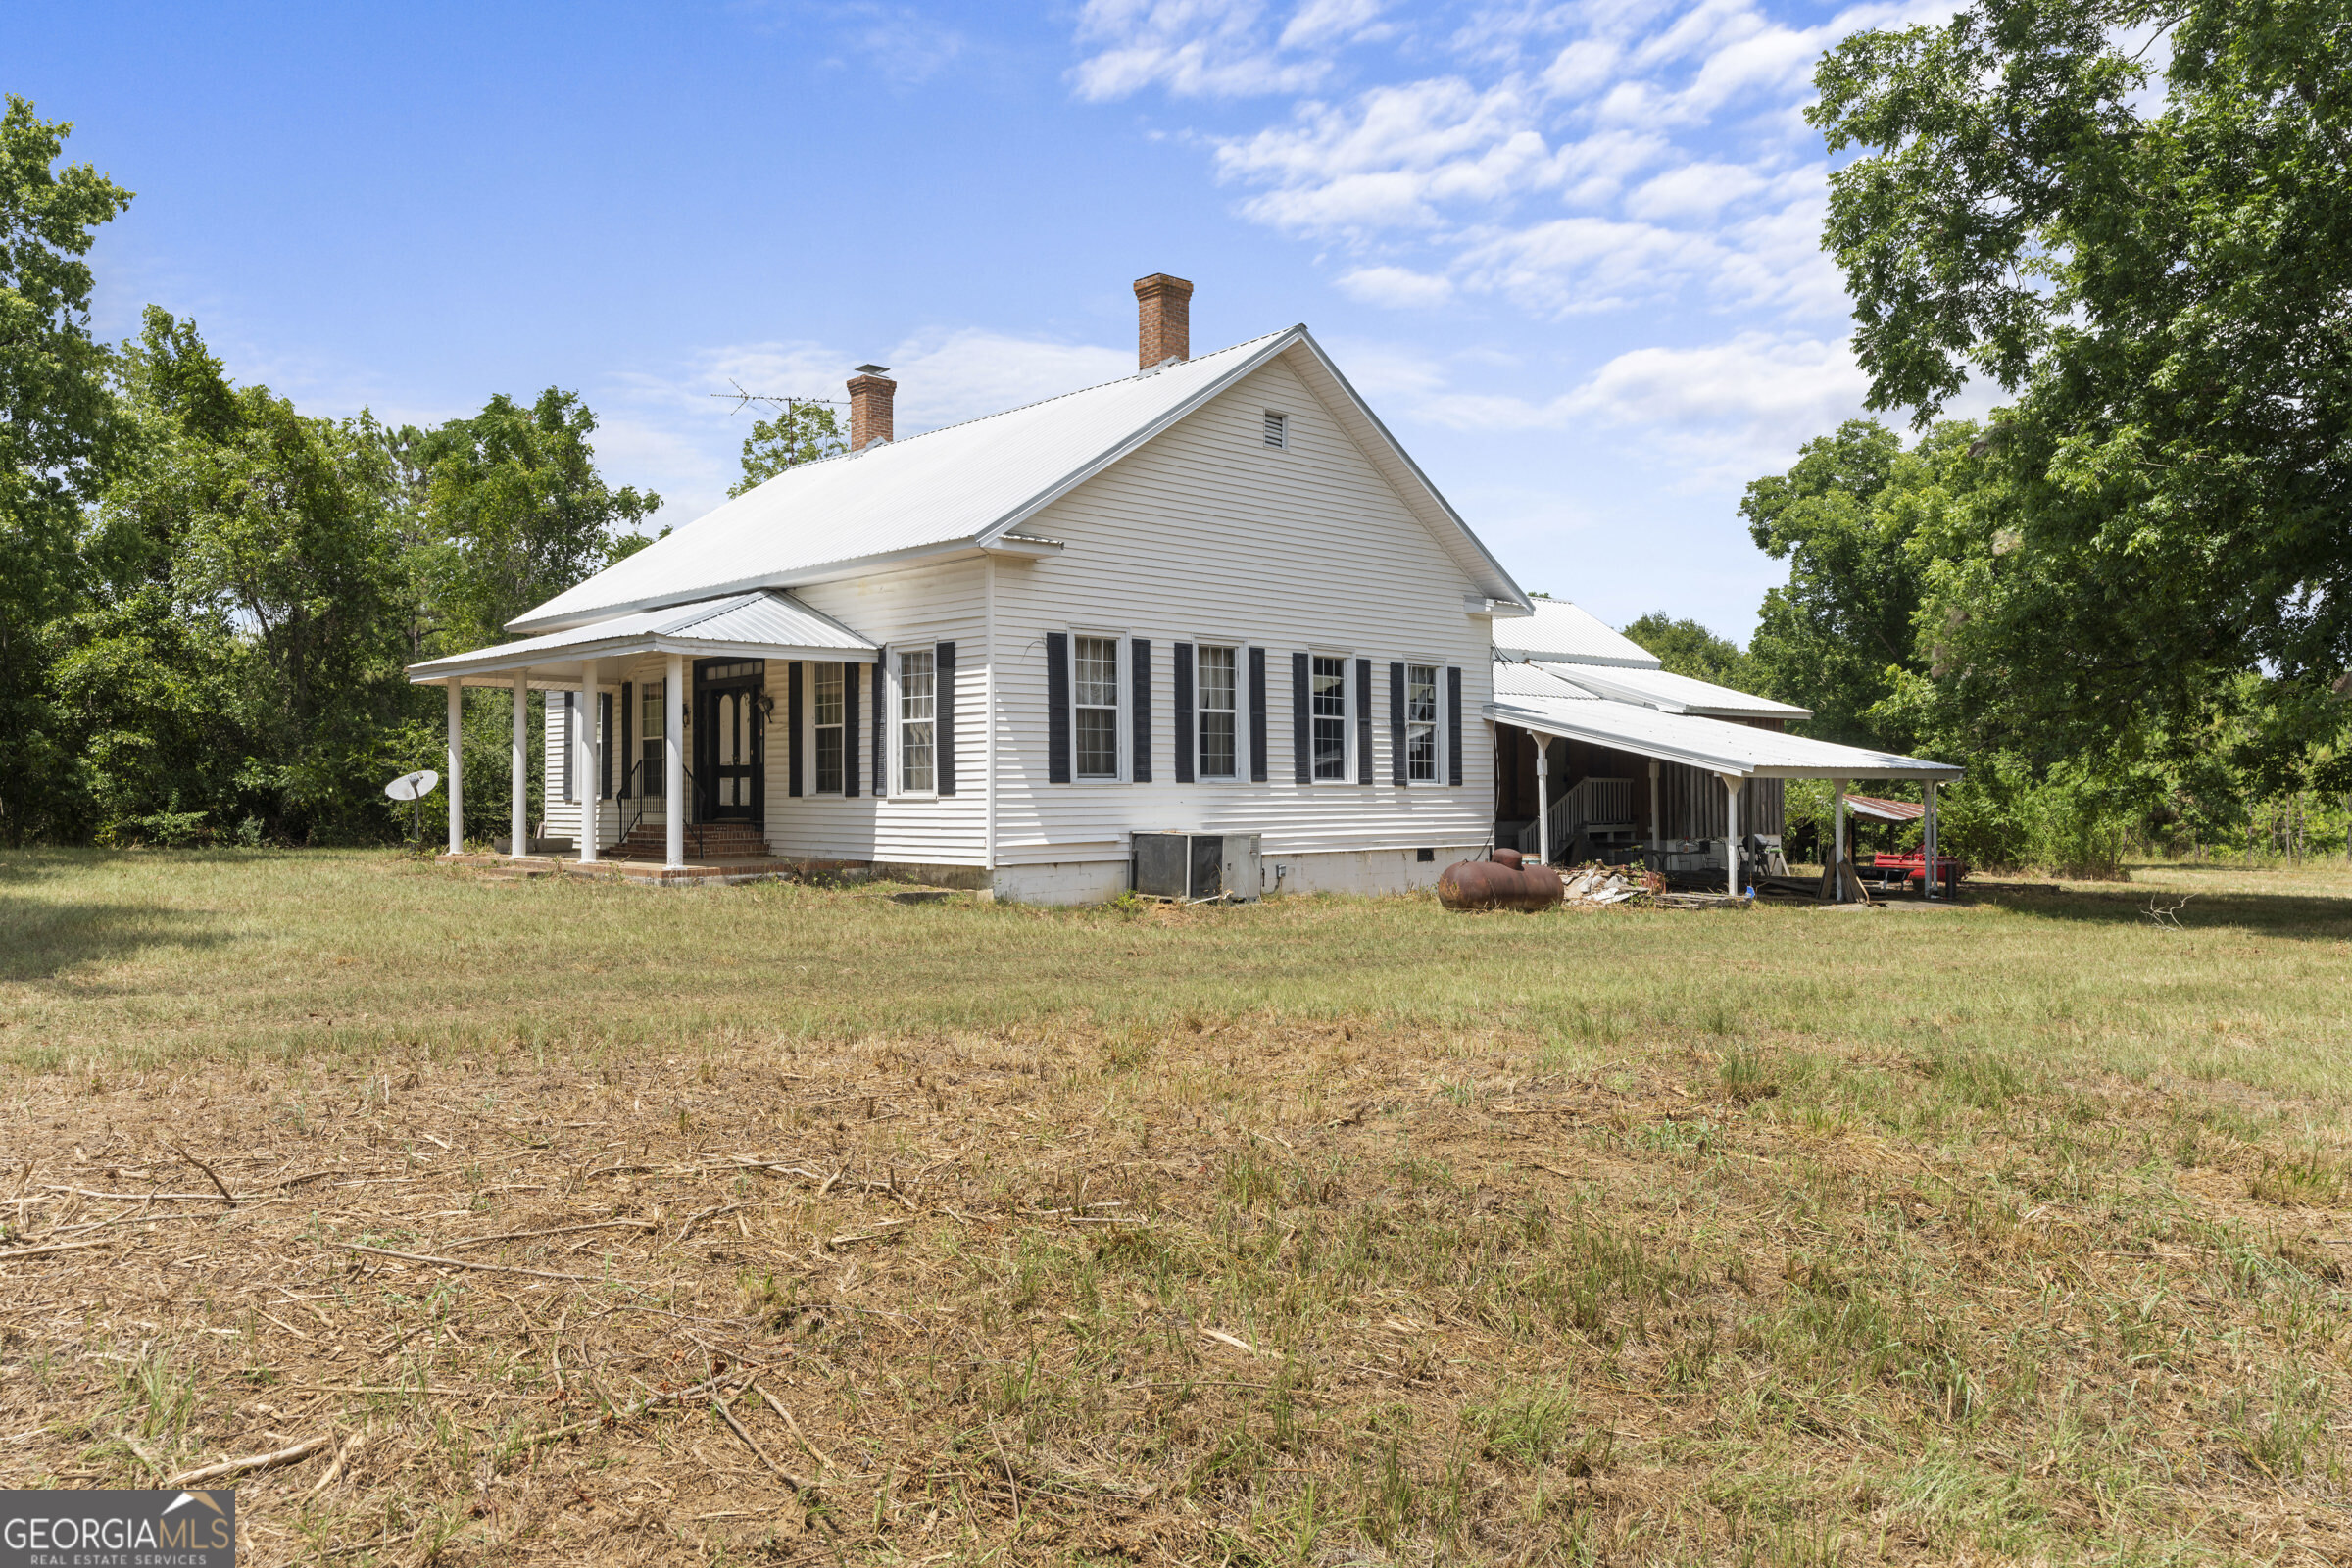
[(591, 772), (1837, 840), (518, 815), (457, 767), (1542, 795), (1654, 801), (1731, 842), (1927, 882), (674, 759)]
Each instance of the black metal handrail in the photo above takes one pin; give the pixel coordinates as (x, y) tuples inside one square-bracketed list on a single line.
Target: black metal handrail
[(642, 769)]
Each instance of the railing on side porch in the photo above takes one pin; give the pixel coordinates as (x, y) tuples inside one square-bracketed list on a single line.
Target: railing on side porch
[(1588, 802)]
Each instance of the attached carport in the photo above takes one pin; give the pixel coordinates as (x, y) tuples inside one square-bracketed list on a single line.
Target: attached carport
[(1549, 705)]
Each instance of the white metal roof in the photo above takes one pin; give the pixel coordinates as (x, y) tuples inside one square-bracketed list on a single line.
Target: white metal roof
[(1670, 693), (1565, 633), (756, 625), (1719, 745), (968, 485)]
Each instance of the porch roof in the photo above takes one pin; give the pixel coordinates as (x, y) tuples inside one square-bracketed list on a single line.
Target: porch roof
[(1535, 699), (764, 623)]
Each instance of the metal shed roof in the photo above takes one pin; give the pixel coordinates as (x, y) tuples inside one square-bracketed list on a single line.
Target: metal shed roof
[(968, 486), (754, 625), (1562, 632), (1886, 810), (1717, 745), (1670, 693)]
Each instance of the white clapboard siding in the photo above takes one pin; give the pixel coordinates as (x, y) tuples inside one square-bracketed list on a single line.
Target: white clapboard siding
[(918, 607), (1207, 534)]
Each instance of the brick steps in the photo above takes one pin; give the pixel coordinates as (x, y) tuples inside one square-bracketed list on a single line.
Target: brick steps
[(718, 841)]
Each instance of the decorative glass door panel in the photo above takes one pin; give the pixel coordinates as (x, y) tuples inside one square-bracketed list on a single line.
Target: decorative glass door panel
[(730, 740)]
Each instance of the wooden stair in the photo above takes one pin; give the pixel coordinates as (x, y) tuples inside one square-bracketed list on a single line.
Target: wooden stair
[(712, 841)]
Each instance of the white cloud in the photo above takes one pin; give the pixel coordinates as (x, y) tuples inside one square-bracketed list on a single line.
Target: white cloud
[(1398, 287), (1571, 266), (1392, 158), (1697, 190), (1723, 410), (1213, 48)]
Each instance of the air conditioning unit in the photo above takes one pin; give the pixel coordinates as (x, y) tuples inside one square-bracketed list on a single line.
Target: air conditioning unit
[(1196, 865)]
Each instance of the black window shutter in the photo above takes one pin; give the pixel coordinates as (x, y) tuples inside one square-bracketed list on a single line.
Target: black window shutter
[(849, 731), (628, 736), (1397, 771), (603, 745), (1058, 708), (1302, 757), (1257, 716), (792, 719), (1363, 721), (1453, 726), (1184, 712), (881, 731), (1138, 721), (572, 743), (943, 722)]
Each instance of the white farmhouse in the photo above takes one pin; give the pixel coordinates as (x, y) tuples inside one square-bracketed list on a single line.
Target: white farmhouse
[(1214, 596)]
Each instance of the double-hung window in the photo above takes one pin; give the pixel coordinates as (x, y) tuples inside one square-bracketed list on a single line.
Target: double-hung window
[(1217, 716), (828, 719), (918, 682), (1328, 696), (652, 713), (1421, 723), (1098, 706)]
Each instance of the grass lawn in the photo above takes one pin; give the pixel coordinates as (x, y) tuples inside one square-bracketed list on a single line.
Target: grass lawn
[(587, 1223)]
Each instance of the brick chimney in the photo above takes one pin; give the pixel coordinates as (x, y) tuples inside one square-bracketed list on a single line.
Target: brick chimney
[(870, 394), (1163, 320)]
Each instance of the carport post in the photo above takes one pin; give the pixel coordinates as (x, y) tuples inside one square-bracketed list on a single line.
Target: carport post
[(1542, 795), (518, 815), (1731, 843), (1653, 801), (1838, 840), (1927, 880), (457, 767)]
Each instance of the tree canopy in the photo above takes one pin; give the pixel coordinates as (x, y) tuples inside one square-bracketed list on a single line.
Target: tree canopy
[(2155, 264)]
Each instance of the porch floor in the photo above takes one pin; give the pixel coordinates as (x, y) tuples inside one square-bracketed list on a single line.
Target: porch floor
[(719, 870)]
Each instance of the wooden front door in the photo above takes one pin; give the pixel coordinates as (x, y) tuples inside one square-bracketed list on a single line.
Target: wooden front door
[(729, 742)]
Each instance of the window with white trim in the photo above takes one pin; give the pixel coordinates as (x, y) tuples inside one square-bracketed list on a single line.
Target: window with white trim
[(652, 713), (918, 683), (1421, 723), (1327, 689), (829, 716), (1218, 715), (1094, 694)]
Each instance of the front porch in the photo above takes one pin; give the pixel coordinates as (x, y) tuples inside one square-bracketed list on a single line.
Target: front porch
[(641, 811)]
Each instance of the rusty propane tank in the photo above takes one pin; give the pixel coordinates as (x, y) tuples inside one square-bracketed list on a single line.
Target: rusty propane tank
[(1498, 884)]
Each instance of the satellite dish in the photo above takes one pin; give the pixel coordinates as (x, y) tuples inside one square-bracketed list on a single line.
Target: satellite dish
[(414, 786)]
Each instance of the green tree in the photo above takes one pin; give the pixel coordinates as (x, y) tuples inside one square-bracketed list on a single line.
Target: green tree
[(56, 422), (1687, 648), (801, 433), (2159, 271), (516, 514), (1848, 516)]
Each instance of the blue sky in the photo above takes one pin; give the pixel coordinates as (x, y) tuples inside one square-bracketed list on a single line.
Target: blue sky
[(1569, 252)]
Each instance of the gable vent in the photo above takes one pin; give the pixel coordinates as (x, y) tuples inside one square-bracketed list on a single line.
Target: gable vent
[(1278, 430)]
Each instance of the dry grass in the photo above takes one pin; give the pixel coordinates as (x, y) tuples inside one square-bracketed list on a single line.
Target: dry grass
[(1325, 1232)]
